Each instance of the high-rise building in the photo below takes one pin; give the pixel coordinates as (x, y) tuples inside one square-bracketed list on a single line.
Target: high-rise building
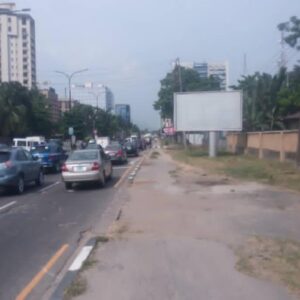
[(205, 70), (97, 95), (123, 111), (53, 105), (17, 46)]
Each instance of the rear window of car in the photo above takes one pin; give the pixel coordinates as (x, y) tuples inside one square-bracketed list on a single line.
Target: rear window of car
[(84, 155), (4, 156), (40, 149), (113, 147)]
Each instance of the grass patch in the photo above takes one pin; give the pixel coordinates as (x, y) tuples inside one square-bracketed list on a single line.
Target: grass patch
[(274, 259), (243, 167), (77, 288), (154, 155)]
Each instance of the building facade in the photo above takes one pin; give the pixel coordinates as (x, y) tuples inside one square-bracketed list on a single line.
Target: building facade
[(123, 111), (109, 100), (64, 105), (17, 46), (53, 105), (216, 70)]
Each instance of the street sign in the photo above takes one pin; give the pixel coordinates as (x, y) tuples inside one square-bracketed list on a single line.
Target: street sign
[(71, 131)]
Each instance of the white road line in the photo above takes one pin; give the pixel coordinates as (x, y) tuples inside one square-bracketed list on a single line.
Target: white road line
[(82, 256), (7, 205), (49, 187)]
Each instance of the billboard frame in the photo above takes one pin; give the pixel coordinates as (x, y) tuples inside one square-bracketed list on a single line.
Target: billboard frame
[(175, 114)]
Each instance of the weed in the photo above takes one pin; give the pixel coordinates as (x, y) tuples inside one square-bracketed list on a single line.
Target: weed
[(77, 288)]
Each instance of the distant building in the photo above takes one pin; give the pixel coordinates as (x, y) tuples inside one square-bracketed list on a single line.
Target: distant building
[(205, 70), (53, 105), (17, 46), (65, 105), (96, 95), (123, 111), (109, 100)]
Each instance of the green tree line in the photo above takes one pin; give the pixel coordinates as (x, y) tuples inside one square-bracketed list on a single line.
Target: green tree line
[(267, 98), (25, 112)]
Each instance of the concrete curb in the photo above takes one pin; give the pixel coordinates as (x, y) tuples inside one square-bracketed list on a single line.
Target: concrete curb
[(73, 270), (137, 167)]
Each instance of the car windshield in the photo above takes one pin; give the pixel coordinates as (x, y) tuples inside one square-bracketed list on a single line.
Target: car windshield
[(92, 146), (4, 156), (83, 155)]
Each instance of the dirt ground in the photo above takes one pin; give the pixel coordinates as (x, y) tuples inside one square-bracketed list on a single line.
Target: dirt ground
[(185, 233)]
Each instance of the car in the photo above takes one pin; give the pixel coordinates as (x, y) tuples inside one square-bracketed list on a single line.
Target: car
[(50, 155), (19, 168), (3, 146), (116, 152), (132, 148), (88, 165)]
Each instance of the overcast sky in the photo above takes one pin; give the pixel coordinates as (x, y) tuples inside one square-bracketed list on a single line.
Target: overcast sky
[(129, 45)]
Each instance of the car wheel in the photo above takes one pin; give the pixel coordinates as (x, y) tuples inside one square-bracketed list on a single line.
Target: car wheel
[(56, 168), (41, 179), (68, 185), (111, 173), (20, 185), (102, 180)]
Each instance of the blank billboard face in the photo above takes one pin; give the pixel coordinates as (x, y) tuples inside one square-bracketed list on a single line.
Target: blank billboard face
[(208, 111)]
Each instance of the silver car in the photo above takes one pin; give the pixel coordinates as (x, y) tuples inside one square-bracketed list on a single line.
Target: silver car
[(87, 165)]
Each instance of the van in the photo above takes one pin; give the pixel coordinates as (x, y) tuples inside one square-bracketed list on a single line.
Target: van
[(28, 142)]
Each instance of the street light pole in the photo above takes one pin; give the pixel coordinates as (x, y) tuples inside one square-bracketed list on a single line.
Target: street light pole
[(69, 77)]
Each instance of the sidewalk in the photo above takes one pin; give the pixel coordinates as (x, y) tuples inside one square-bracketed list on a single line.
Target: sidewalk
[(178, 234)]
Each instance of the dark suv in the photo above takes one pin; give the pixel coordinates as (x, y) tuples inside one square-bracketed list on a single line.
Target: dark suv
[(18, 168)]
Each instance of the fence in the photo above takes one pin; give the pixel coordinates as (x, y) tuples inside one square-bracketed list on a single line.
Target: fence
[(280, 145)]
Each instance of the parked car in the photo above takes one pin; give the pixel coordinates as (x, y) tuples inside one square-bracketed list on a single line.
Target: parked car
[(87, 166), (18, 168), (116, 152), (132, 148), (50, 155), (3, 146)]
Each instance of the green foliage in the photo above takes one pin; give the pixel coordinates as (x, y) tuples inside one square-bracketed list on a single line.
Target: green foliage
[(268, 99), (191, 81), (85, 118), (292, 27), (22, 111)]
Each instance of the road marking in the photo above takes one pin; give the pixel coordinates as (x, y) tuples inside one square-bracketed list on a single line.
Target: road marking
[(7, 205), (49, 187), (82, 256), (39, 276), (125, 174), (119, 168)]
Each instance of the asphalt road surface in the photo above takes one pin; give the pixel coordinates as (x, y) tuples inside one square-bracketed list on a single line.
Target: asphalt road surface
[(35, 225)]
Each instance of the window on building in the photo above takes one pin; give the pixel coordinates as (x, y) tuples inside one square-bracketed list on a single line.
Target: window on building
[(9, 20), (25, 74), (9, 28), (23, 21), (25, 81)]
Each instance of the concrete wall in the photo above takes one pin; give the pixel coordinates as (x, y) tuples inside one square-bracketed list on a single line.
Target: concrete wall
[(280, 145)]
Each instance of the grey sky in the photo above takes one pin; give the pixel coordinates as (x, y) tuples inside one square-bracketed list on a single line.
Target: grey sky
[(129, 44)]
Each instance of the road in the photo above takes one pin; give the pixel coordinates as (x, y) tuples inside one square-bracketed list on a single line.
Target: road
[(35, 225)]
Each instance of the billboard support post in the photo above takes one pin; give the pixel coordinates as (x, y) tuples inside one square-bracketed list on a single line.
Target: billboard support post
[(212, 144)]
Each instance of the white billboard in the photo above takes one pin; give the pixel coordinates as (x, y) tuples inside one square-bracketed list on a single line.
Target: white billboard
[(208, 111)]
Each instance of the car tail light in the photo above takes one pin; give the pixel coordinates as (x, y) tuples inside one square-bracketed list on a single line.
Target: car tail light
[(8, 164), (119, 153), (64, 168), (95, 166)]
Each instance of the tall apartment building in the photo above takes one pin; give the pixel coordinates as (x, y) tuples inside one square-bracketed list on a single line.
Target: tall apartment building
[(109, 100), (205, 70), (17, 46), (123, 111), (52, 103)]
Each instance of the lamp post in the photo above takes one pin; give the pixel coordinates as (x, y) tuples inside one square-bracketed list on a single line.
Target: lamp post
[(69, 77)]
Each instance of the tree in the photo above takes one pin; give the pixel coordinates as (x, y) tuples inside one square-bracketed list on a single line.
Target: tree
[(292, 27), (191, 81)]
